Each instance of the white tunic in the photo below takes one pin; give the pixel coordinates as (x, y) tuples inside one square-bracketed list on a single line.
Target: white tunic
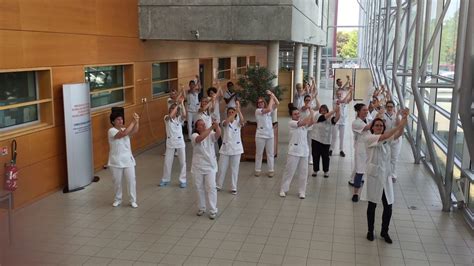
[(231, 139), (192, 100), (204, 156), (304, 114), (264, 124), (206, 118), (228, 95), (378, 169), (174, 132), (120, 152), (298, 100), (322, 131), (360, 150), (342, 113), (298, 145)]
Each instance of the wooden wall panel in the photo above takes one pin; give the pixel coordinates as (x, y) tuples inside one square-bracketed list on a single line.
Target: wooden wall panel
[(67, 36), (10, 18)]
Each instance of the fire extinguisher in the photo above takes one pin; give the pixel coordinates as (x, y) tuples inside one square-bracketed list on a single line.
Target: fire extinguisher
[(11, 171)]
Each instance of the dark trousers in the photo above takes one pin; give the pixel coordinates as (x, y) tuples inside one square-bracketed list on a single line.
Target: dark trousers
[(386, 215), (320, 150)]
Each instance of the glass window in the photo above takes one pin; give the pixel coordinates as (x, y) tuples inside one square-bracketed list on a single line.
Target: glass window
[(106, 85), (164, 77), (443, 98), (441, 127), (16, 90), (241, 65), (223, 68), (448, 40)]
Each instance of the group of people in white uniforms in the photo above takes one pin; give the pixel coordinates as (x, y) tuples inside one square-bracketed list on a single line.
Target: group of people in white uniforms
[(373, 147)]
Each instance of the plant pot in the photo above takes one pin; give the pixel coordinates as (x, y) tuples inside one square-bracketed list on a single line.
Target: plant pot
[(248, 141)]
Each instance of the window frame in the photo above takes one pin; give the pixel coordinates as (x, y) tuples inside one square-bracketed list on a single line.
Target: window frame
[(242, 69), (226, 72), (170, 80), (127, 88), (44, 104)]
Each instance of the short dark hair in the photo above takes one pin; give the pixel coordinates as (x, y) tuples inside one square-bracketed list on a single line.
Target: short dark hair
[(191, 82), (338, 80), (114, 116), (213, 89), (324, 107), (389, 101), (292, 109), (229, 84), (358, 107), (307, 96)]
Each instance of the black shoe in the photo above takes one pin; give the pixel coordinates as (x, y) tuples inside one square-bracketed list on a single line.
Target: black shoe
[(355, 198), (370, 236), (342, 154), (386, 237), (350, 183), (330, 153)]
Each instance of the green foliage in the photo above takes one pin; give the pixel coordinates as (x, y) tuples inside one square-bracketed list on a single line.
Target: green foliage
[(349, 47), (254, 84)]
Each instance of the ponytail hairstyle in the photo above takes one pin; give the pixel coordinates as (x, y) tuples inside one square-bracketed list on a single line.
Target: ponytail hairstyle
[(358, 107)]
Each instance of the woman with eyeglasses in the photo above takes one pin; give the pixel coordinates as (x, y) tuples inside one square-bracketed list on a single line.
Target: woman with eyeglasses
[(264, 137), (379, 182)]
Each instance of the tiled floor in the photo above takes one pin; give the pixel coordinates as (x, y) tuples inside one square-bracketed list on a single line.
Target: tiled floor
[(254, 227)]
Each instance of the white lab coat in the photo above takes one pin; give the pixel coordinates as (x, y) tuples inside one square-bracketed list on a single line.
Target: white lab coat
[(360, 150), (378, 177)]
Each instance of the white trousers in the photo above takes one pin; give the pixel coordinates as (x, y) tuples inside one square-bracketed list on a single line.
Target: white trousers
[(268, 144), (310, 157), (169, 157), (294, 163), (191, 116), (395, 148), (117, 174), (335, 130), (224, 161), (206, 191)]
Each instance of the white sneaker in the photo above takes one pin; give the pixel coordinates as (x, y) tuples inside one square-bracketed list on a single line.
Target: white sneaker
[(302, 196), (116, 203), (212, 215), (271, 174), (218, 188), (257, 173), (234, 192), (200, 212), (282, 194), (134, 205), (326, 174), (311, 162)]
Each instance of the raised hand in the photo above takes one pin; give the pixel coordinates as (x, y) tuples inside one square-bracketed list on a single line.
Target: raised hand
[(268, 92), (136, 117)]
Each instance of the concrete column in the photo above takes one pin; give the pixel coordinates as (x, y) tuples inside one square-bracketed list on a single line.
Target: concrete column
[(273, 50), (317, 79), (298, 74), (311, 60)]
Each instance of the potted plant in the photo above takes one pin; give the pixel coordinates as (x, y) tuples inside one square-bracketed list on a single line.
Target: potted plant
[(254, 84)]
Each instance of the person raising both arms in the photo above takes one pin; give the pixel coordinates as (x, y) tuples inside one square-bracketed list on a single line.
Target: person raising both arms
[(204, 166), (192, 101), (264, 137), (175, 143), (231, 148), (379, 182), (121, 162), (298, 152)]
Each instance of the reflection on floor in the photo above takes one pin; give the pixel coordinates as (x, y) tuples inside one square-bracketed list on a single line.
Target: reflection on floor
[(255, 226)]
